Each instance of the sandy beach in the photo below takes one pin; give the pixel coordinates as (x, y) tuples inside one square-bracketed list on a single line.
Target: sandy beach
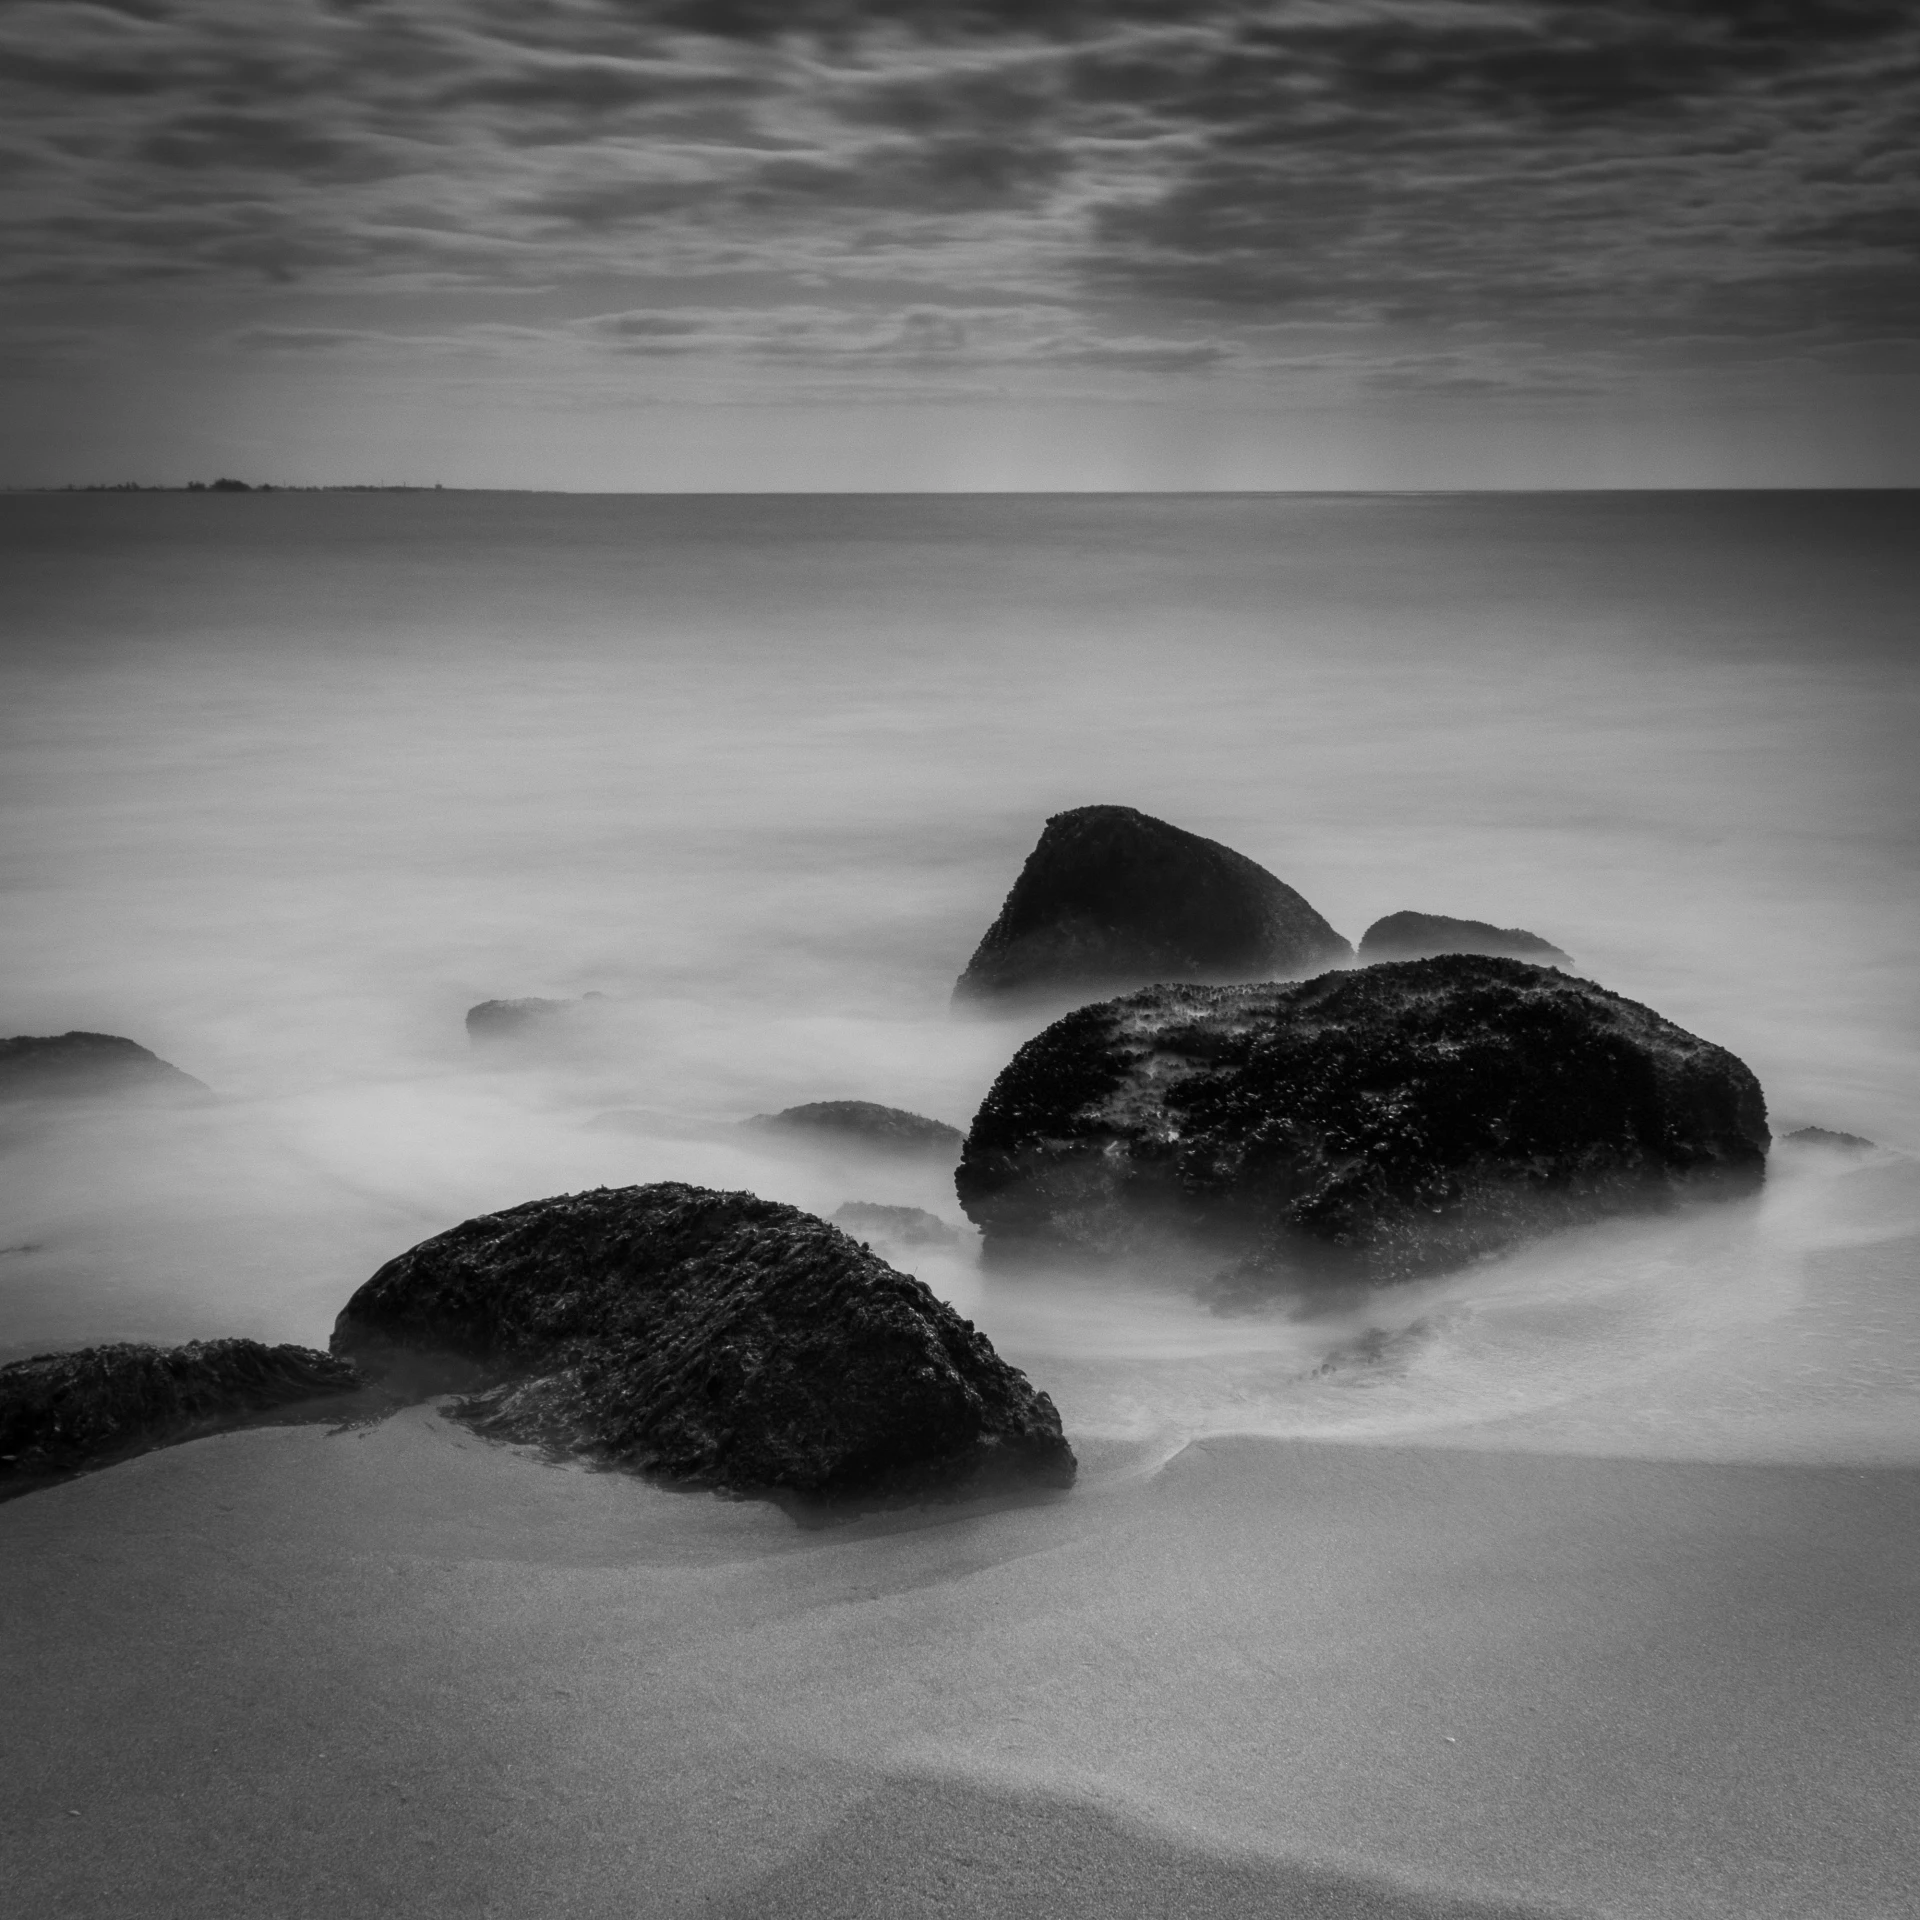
[(398, 1670)]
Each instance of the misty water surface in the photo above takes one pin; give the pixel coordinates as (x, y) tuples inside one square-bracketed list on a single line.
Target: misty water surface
[(293, 780)]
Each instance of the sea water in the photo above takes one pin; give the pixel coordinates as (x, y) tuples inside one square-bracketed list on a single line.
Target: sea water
[(292, 780)]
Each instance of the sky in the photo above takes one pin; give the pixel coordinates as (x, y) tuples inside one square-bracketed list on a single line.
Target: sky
[(977, 244)]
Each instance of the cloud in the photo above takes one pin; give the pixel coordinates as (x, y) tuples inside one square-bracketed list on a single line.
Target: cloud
[(31, 351), (977, 338), (936, 20), (1148, 188), (316, 340), (305, 339), (594, 86), (1566, 64), (1888, 227), (89, 78), (1612, 172), (957, 173), (664, 330), (256, 143)]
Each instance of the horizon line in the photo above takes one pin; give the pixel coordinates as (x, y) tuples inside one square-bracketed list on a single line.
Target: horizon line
[(923, 493)]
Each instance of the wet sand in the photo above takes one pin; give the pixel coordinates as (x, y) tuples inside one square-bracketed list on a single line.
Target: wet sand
[(293, 1672)]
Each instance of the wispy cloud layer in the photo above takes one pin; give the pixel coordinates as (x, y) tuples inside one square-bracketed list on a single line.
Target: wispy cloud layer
[(1460, 195)]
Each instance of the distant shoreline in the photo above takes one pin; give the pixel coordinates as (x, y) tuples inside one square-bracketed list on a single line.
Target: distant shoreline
[(966, 493), (245, 486)]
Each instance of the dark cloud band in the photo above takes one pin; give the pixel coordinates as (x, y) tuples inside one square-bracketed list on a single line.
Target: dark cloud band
[(1487, 188)]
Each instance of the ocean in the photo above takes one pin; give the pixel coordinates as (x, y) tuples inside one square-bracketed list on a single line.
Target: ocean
[(294, 779)]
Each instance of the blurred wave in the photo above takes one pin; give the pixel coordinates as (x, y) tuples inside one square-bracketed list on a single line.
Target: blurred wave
[(289, 794)]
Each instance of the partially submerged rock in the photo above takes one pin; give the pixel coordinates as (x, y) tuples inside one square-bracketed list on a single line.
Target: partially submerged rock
[(896, 1226), (63, 1412), (711, 1337), (859, 1123), (494, 1021), (68, 1066), (1111, 898), (1371, 1124), (1826, 1137), (1419, 936)]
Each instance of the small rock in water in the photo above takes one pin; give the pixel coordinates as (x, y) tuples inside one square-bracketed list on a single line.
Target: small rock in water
[(1376, 1350), (69, 1066), (1372, 1124), (859, 1123), (716, 1338), (1111, 898), (1826, 1137), (1419, 936), (512, 1020)]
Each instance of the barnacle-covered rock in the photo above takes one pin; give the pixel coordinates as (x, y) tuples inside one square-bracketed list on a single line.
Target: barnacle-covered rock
[(1375, 1123), (710, 1337)]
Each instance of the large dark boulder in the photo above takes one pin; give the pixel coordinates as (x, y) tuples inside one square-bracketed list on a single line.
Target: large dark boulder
[(1111, 899), (63, 1412), (711, 1337), (1419, 936), (67, 1066), (858, 1123), (1370, 1124)]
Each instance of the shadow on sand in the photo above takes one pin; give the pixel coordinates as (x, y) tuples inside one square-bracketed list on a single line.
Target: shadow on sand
[(930, 1846)]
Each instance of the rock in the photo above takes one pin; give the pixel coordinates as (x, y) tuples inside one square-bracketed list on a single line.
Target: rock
[(859, 1123), (63, 1412), (1111, 899), (1419, 936), (1825, 1137), (497, 1020), (896, 1226), (67, 1066), (710, 1337), (1372, 1124)]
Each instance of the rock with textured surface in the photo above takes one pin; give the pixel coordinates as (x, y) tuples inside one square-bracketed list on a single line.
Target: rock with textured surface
[(858, 1123), (1111, 898), (1372, 1124), (710, 1337), (1420, 936), (63, 1412), (1827, 1138), (901, 1227), (66, 1066)]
